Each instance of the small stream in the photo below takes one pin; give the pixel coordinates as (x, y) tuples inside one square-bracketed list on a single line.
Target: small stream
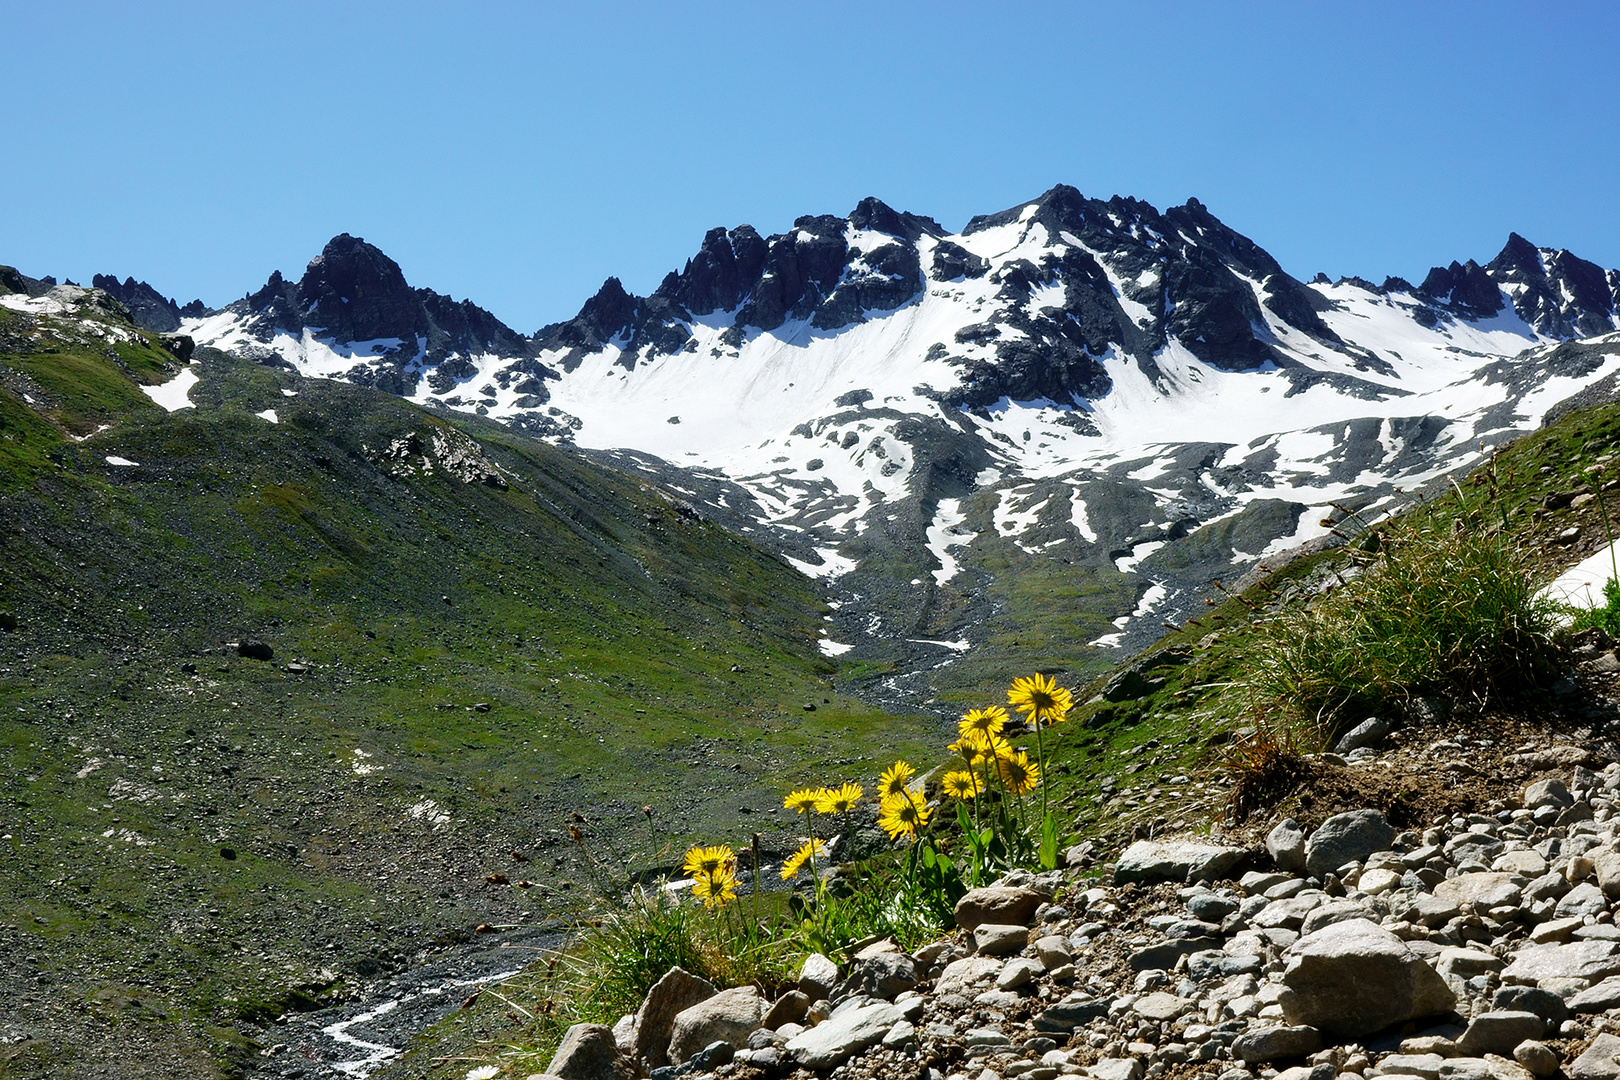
[(356, 1038)]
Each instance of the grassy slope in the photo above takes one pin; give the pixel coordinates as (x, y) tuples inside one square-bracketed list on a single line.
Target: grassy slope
[(1118, 760), (628, 654)]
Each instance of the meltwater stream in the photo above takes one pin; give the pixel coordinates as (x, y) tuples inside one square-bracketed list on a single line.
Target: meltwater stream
[(356, 1038)]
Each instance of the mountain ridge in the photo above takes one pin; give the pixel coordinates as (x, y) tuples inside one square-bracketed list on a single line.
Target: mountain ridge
[(1093, 393)]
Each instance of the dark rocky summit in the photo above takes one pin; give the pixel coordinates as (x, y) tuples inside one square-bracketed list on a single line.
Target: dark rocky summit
[(351, 292), (1178, 276), (148, 308)]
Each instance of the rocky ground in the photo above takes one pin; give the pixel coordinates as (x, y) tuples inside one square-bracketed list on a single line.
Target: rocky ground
[(1479, 943)]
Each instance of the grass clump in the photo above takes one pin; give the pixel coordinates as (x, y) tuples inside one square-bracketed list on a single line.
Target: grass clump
[(1264, 764), (1428, 605)]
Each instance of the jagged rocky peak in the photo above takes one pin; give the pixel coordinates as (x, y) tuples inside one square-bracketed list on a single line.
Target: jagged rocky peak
[(828, 270), (352, 292), (1135, 278), (1130, 277), (13, 280), (1555, 292), (1465, 287), (357, 292), (148, 308)]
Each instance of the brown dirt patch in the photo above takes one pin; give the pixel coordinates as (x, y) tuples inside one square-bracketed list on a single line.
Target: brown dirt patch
[(1437, 770)]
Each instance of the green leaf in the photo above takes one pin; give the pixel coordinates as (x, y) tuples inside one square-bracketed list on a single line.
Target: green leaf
[(1049, 843)]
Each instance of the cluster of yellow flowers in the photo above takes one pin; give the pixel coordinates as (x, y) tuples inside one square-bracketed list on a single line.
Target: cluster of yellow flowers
[(807, 801), (989, 756), (903, 806), (713, 871)]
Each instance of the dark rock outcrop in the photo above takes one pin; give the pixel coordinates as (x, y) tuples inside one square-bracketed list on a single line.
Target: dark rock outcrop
[(148, 308), (352, 292)]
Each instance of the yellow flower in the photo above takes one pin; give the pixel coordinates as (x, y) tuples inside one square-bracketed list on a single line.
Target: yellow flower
[(717, 889), (804, 800), (894, 779), (971, 747), (903, 817), (1018, 774), (807, 851), (713, 871), (984, 724), (1040, 698), (960, 785), (708, 861), (839, 800)]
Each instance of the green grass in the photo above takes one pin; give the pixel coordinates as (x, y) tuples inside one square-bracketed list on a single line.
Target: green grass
[(1442, 607), (1605, 617), (628, 654)]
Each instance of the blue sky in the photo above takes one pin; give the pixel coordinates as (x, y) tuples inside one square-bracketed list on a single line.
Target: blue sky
[(518, 154)]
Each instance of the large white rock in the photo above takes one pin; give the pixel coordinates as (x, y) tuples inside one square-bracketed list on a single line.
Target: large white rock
[(1286, 844), (1344, 838), (818, 976), (1130, 1068), (848, 1031), (1587, 961), (1484, 890), (1606, 863), (1149, 861), (588, 1052), (1354, 978), (726, 1017), (961, 976), (1599, 1062), (1003, 904), (1499, 1031), (679, 989)]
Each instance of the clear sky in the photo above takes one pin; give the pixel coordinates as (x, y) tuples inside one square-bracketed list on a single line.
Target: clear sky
[(518, 154)]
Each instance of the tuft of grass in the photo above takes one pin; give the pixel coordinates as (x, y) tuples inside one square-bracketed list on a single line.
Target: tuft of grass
[(612, 961), (1436, 606), (1264, 765), (616, 960)]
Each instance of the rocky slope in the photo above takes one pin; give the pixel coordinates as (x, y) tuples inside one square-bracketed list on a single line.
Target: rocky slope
[(1092, 399), (1478, 945)]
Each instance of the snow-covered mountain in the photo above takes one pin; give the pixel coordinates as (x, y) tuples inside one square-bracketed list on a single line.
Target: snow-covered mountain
[(1043, 434)]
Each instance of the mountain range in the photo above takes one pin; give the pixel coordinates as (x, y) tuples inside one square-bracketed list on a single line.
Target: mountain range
[(1053, 429)]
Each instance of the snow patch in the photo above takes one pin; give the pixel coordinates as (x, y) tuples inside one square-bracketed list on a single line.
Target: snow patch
[(832, 564), (1127, 564), (175, 394), (429, 811), (954, 646), (945, 533), (1582, 584)]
